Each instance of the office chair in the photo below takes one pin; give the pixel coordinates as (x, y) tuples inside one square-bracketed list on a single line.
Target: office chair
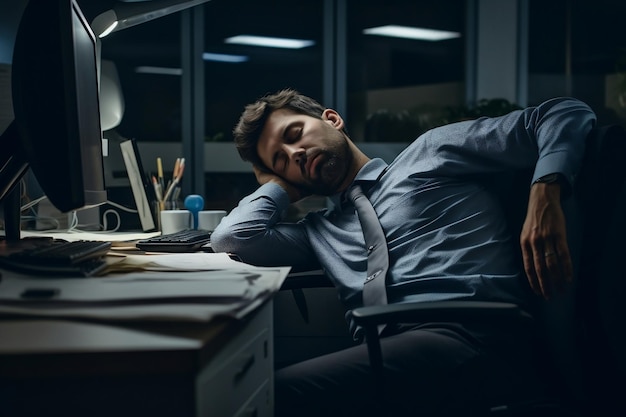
[(584, 334)]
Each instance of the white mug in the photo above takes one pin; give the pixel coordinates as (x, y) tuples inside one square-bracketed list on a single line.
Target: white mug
[(209, 219), (173, 221)]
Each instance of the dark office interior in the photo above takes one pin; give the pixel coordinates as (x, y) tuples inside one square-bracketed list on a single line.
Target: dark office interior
[(184, 87), (390, 89)]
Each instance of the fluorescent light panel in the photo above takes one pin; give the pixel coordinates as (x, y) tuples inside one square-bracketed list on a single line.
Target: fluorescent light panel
[(210, 56), (408, 32), (269, 41)]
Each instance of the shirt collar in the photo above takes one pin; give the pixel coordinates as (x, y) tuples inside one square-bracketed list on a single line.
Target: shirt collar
[(371, 171), (367, 175)]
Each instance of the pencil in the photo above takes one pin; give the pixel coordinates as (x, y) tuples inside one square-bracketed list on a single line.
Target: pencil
[(157, 192), (160, 172), (181, 168), (176, 168)]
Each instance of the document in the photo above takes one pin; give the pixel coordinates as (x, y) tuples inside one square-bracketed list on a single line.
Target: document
[(164, 287), (181, 262)]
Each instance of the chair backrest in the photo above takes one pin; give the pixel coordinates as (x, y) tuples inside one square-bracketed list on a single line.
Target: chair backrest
[(581, 328), (600, 308)]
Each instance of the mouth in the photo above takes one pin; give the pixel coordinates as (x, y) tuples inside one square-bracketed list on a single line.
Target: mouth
[(311, 164)]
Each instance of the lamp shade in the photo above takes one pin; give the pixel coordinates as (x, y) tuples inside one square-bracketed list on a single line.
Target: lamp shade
[(111, 97)]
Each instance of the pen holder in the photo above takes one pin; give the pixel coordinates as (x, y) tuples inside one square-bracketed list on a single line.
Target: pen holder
[(167, 205)]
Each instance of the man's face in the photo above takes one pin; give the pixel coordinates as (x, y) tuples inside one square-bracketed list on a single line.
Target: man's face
[(308, 152)]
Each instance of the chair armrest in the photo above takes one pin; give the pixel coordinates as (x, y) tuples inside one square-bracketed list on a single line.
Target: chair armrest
[(457, 311), (297, 281), (306, 279)]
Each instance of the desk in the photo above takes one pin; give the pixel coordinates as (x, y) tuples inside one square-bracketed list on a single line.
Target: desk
[(68, 368), (84, 367)]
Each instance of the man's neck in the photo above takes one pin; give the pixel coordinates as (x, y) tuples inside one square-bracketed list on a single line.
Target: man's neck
[(358, 161)]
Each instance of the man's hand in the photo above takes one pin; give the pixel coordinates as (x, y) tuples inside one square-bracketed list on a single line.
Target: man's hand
[(295, 193), (545, 252)]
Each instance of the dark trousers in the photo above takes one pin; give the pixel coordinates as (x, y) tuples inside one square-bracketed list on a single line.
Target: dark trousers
[(430, 370)]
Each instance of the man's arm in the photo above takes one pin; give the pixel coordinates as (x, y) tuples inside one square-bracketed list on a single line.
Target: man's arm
[(549, 138), (294, 193), (253, 230), (543, 241)]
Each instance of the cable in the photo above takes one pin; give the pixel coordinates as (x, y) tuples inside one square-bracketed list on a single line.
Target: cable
[(105, 223), (33, 203), (121, 207), (72, 217), (72, 221)]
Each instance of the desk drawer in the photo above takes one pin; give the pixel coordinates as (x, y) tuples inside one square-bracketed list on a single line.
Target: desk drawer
[(257, 405), (238, 377)]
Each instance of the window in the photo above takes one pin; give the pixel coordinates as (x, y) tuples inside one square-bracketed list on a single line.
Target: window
[(399, 87), (585, 56)]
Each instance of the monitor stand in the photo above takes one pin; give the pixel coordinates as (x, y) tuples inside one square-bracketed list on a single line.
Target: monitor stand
[(12, 212), (13, 166)]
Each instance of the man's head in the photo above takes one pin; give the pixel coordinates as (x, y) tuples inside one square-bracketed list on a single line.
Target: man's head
[(299, 140)]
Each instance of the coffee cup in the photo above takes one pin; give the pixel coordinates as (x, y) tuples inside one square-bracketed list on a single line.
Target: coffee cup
[(173, 221), (209, 219)]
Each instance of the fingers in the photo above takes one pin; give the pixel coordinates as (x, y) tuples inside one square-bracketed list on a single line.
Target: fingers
[(548, 267), (529, 268)]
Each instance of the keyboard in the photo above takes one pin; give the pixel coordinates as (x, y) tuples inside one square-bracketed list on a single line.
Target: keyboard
[(188, 240), (52, 257)]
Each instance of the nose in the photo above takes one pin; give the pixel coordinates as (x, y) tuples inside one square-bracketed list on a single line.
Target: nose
[(295, 153)]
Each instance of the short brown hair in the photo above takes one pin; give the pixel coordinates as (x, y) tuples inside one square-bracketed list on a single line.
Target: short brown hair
[(252, 120)]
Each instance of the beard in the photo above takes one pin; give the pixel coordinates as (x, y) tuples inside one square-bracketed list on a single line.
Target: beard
[(331, 170)]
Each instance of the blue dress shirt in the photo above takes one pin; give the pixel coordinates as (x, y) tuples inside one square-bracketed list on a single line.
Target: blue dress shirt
[(446, 231)]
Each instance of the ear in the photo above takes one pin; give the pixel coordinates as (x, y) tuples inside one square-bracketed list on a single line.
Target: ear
[(332, 117)]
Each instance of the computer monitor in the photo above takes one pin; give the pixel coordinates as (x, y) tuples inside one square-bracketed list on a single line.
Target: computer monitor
[(56, 131)]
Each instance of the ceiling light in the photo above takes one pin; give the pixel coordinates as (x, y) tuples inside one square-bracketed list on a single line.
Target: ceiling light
[(158, 70), (412, 33), (210, 56), (269, 41)]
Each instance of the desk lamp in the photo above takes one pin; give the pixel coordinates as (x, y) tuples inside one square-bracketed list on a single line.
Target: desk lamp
[(127, 14)]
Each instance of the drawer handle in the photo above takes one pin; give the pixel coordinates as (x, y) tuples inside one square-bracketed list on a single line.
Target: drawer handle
[(245, 367)]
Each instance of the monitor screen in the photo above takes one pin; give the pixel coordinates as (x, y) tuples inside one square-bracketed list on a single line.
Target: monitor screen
[(56, 131)]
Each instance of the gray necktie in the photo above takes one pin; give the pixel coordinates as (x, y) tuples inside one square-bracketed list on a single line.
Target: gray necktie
[(374, 291)]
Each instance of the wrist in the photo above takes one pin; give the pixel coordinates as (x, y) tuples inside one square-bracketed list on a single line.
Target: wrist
[(546, 191), (550, 179), (554, 181)]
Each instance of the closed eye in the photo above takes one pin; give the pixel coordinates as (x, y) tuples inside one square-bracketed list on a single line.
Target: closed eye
[(293, 134)]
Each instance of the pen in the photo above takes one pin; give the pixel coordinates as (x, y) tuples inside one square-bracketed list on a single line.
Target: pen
[(170, 189), (178, 173), (181, 168), (157, 193), (176, 193), (160, 172), (176, 168)]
